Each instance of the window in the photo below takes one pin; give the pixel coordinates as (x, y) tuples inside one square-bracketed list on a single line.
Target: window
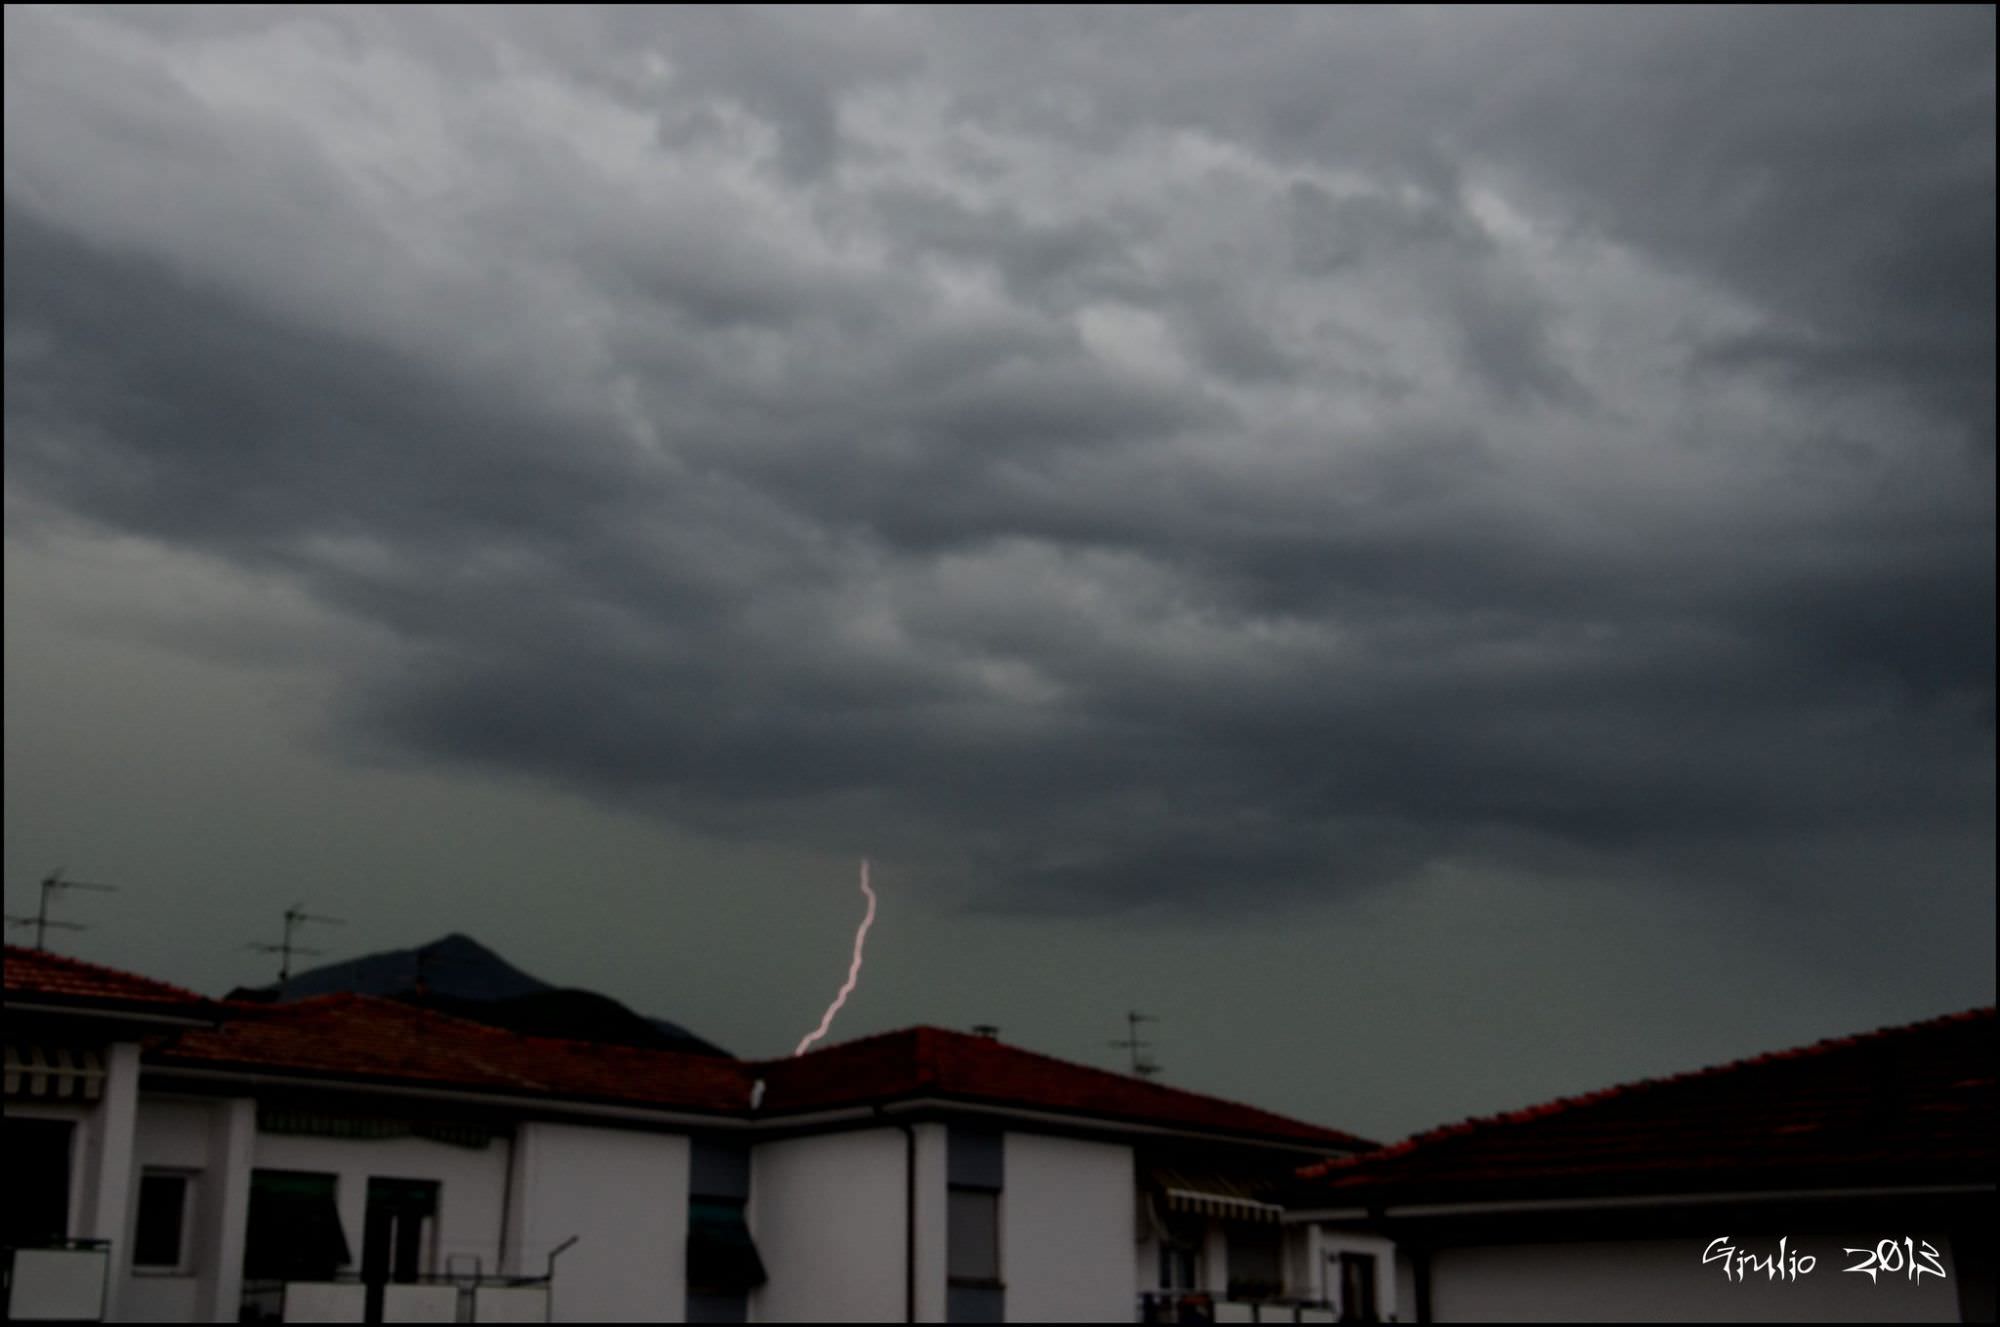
[(159, 1242), (1180, 1252), (972, 1257), (723, 1266), (1256, 1262), (974, 1169), (1357, 1288), (722, 1262), (294, 1230), (974, 1235)]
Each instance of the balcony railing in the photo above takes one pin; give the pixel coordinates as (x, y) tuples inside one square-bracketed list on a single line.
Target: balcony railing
[(432, 1299), (1200, 1307)]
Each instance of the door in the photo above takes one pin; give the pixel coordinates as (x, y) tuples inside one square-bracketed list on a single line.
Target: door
[(395, 1238)]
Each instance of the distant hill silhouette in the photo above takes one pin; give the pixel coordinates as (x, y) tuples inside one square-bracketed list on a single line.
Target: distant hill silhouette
[(458, 975)]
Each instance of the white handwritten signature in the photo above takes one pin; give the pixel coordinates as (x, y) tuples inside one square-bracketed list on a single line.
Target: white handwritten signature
[(1913, 1258)]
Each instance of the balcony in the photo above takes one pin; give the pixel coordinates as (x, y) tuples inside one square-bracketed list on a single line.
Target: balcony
[(61, 1281)]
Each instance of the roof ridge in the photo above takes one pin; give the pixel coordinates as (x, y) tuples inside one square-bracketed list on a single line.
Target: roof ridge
[(1636, 1087), (872, 1037), (928, 1037)]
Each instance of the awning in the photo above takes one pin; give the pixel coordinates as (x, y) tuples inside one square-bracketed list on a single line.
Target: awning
[(1214, 1195), (1227, 1206), (61, 1072), (721, 1256)]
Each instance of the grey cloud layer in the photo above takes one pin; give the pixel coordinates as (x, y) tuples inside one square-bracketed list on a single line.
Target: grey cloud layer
[(1111, 458)]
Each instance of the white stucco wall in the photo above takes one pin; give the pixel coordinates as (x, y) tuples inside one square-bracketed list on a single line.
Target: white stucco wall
[(1665, 1281), (160, 1299), (827, 1214), (470, 1181), (624, 1194), (1067, 1236)]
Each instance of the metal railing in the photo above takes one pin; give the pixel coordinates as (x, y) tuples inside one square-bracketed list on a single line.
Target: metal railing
[(464, 1292), (1198, 1306)]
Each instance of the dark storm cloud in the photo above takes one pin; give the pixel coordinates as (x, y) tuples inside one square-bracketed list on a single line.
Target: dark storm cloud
[(1223, 457)]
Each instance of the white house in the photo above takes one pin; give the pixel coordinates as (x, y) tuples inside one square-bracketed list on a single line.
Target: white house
[(1852, 1180), (346, 1158)]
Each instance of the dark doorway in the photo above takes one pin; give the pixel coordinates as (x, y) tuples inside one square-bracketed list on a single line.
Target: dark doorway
[(38, 1190), (395, 1236)]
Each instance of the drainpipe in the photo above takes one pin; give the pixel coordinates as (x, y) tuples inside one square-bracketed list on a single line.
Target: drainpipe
[(909, 1216)]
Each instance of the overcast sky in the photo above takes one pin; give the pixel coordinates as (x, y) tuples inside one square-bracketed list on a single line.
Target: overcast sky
[(1448, 555)]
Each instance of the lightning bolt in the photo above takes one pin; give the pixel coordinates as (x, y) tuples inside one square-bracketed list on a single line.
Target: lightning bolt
[(853, 970)]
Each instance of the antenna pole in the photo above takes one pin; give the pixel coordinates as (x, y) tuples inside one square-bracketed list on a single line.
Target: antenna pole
[(294, 917), (1141, 1066), (41, 921)]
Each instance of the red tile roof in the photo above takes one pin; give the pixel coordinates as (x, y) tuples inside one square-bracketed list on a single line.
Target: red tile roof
[(932, 1062), (362, 1037), (52, 978), (1905, 1105)]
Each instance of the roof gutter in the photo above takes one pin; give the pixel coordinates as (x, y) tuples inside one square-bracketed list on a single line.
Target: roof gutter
[(1104, 1123), (547, 1105), (764, 1122), (1412, 1211)]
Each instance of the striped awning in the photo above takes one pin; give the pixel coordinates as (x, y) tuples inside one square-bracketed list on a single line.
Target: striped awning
[(1225, 1205), (59, 1072), (1210, 1194)]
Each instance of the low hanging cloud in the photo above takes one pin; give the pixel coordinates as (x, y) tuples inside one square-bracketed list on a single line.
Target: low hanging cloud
[(1110, 459)]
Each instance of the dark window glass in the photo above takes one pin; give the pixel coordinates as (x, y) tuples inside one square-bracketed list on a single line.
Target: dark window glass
[(972, 1238), (1357, 1288), (294, 1230), (37, 1181), (719, 1170), (975, 1159), (162, 1212), (1255, 1262)]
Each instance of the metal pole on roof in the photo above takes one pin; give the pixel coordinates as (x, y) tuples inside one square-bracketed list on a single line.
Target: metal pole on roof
[(1141, 1066), (294, 916), (52, 882)]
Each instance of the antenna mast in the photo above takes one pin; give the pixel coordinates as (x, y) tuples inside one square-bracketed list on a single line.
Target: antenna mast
[(294, 915), (51, 883), (1141, 1066)]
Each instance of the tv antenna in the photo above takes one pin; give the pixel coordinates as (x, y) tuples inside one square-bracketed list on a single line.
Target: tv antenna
[(294, 916), (52, 883), (1141, 1066)]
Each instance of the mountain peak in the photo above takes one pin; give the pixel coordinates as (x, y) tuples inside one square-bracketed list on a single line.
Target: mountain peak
[(457, 973)]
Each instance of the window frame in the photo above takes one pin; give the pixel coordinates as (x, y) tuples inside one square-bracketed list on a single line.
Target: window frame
[(1360, 1270), (183, 1261)]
